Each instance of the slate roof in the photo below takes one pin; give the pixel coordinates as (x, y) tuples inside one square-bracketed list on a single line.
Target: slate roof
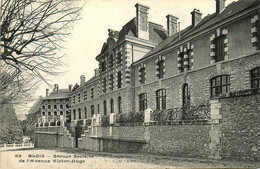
[(209, 20), (63, 93), (156, 32)]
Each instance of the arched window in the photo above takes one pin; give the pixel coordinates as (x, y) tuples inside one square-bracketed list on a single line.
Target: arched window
[(55, 106), (85, 111), (255, 78), (49, 113), (55, 113), (43, 113), (105, 107), (61, 106), (142, 102), (49, 106), (220, 85), (79, 111), (112, 106), (161, 99), (67, 106), (119, 105), (74, 114), (185, 96), (61, 113), (92, 110), (43, 107)]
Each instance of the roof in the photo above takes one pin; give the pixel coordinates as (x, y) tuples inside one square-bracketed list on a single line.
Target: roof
[(62, 94), (156, 32), (36, 106), (209, 20)]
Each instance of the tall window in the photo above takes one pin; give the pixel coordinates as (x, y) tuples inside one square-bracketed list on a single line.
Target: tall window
[(79, 111), (119, 105), (74, 114), (85, 94), (105, 107), (55, 106), (55, 113), (182, 61), (103, 66), (61, 106), (142, 102), (73, 99), (92, 110), (49, 106), (220, 85), (92, 93), (85, 111), (119, 79), (43, 107), (185, 96), (142, 75), (161, 72), (61, 113), (219, 48), (79, 97), (104, 85), (111, 60), (161, 99), (43, 113), (119, 57), (67, 106), (112, 106), (98, 109), (49, 113), (255, 78), (111, 82)]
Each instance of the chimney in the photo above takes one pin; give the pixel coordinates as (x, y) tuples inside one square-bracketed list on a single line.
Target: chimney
[(82, 80), (56, 88), (172, 25), (142, 21), (195, 17), (70, 87), (220, 5), (96, 72), (47, 92)]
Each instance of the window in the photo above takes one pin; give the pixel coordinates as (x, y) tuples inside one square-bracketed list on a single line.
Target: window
[(105, 107), (43, 107), (61, 113), (119, 79), (119, 105), (220, 85), (79, 111), (74, 114), (85, 94), (73, 99), (104, 85), (85, 111), (142, 102), (111, 82), (61, 106), (103, 66), (111, 61), (142, 75), (92, 93), (112, 106), (161, 99), (119, 57), (43, 113), (161, 69), (181, 61), (92, 110), (255, 78), (55, 113), (185, 96), (98, 109), (67, 106), (219, 48), (55, 106), (49, 113), (49, 106), (79, 97)]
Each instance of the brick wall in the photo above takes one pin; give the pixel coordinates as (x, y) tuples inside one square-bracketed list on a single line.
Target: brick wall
[(240, 127)]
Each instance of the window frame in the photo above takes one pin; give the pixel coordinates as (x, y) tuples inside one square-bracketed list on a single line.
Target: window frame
[(142, 101), (161, 99), (119, 104), (217, 87), (142, 71), (160, 69), (219, 48), (257, 78)]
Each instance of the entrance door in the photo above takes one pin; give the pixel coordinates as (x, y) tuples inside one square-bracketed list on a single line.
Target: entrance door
[(185, 100)]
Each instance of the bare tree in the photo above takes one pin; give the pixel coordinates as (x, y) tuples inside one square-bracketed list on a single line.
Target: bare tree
[(33, 33)]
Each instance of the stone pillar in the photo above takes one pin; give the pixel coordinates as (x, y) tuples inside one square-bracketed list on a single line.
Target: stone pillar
[(147, 115), (112, 118), (215, 132)]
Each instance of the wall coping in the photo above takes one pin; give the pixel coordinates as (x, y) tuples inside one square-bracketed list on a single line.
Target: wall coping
[(50, 133), (118, 138)]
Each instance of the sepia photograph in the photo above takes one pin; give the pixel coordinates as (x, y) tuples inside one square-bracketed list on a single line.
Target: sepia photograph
[(138, 84)]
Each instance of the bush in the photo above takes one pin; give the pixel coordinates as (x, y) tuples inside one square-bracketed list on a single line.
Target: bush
[(130, 118), (104, 120), (46, 124)]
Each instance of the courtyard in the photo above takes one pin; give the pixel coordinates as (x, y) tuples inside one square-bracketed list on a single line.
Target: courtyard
[(75, 158)]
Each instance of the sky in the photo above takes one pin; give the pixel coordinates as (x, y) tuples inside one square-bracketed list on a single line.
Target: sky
[(89, 33)]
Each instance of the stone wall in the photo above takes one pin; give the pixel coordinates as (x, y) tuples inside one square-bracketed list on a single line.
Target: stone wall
[(180, 140), (240, 127)]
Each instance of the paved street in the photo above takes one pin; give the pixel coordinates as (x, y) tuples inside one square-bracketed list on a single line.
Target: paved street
[(71, 158)]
